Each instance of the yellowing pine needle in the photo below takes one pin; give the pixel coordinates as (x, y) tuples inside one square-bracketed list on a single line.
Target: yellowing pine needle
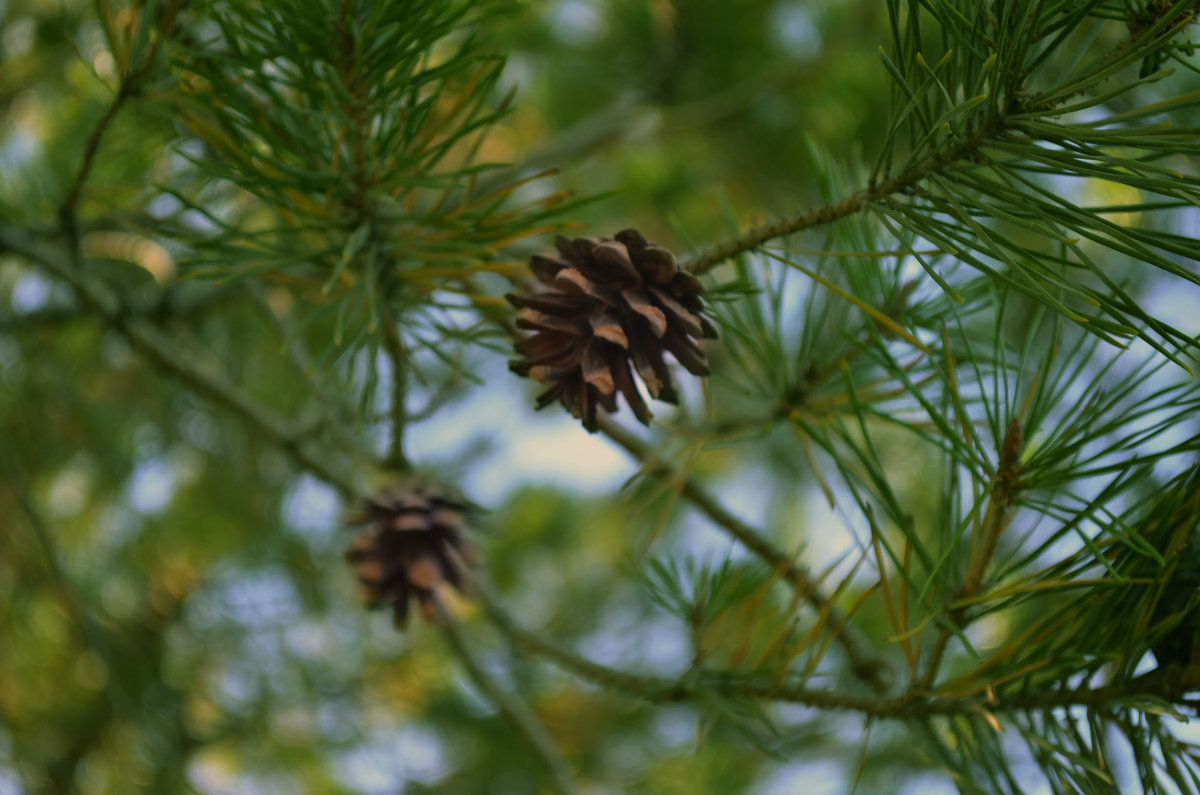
[(823, 615), (903, 598), (893, 614), (499, 244), (876, 254), (1045, 585), (866, 308), (948, 691), (509, 268), (502, 192), (1028, 638), (906, 635), (990, 718), (814, 467)]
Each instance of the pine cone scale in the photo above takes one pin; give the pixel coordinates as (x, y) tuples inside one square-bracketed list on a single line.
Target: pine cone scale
[(546, 268), (543, 350), (607, 325), (595, 368), (681, 316), (533, 320), (686, 352), (615, 264), (551, 303)]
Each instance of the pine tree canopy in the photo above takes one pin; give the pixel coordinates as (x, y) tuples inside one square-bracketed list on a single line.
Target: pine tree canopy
[(772, 396)]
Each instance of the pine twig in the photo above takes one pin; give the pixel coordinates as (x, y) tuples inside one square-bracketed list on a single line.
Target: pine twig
[(630, 119), (603, 675), (92, 631), (394, 346), (519, 717)]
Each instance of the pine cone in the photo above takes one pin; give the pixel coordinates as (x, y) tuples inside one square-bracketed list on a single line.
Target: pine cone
[(414, 540), (607, 303)]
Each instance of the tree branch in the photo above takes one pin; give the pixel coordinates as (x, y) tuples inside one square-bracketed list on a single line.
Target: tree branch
[(55, 317), (1171, 686), (394, 346), (852, 204), (206, 380), (131, 84)]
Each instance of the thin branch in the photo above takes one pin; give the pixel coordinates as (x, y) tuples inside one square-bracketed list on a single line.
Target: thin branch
[(131, 85), (865, 665), (852, 204), (51, 317), (394, 346), (66, 210), (519, 717), (635, 684), (631, 119), (54, 317), (206, 380)]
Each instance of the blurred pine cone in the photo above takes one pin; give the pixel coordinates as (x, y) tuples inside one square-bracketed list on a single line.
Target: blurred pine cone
[(414, 539), (604, 304)]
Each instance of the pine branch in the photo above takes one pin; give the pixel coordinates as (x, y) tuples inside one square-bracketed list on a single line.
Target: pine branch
[(130, 86), (93, 631), (855, 203), (1170, 687), (104, 639), (986, 155), (145, 336), (66, 210), (394, 346), (866, 667), (52, 318), (629, 120), (173, 310)]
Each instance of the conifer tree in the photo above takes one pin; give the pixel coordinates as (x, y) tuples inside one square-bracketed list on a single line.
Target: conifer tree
[(914, 442)]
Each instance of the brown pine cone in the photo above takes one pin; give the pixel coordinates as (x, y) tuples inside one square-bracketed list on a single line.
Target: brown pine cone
[(414, 539), (606, 304)]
